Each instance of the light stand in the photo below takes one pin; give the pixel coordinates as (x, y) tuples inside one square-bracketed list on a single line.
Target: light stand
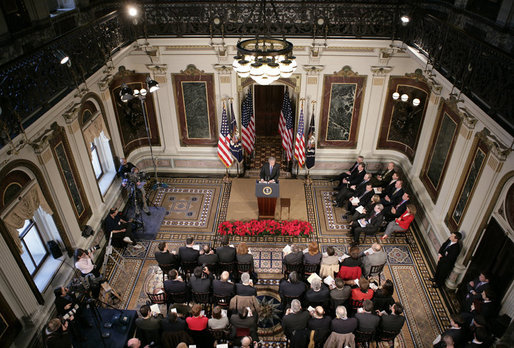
[(126, 94)]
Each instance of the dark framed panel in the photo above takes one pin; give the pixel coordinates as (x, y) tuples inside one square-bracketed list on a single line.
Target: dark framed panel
[(129, 115), (402, 122), (70, 176), (474, 166), (442, 142), (10, 326), (341, 107), (196, 108)]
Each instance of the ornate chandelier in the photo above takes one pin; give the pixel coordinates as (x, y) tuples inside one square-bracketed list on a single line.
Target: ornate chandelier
[(264, 59)]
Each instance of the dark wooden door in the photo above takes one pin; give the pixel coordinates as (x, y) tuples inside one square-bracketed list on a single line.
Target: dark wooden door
[(268, 103), (494, 255)]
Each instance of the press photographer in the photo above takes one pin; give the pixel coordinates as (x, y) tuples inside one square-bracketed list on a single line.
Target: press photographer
[(138, 180), (84, 263), (56, 334), (70, 311)]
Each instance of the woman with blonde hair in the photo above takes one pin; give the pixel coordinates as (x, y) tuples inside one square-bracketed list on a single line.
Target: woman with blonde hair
[(243, 256), (312, 256), (402, 223)]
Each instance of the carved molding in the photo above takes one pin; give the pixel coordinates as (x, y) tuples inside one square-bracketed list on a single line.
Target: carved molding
[(498, 149), (41, 143), (418, 75), (158, 69), (71, 113), (191, 69), (346, 71), (381, 70), (313, 69), (223, 69)]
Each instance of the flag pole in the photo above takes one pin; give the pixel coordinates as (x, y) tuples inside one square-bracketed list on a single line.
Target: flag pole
[(308, 179)]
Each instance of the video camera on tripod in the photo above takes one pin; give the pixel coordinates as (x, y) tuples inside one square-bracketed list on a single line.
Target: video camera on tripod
[(92, 249)]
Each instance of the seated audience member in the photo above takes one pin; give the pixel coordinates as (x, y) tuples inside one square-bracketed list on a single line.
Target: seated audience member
[(361, 198), (390, 187), (476, 287), (56, 334), (363, 292), (394, 321), (245, 288), (84, 263), (164, 256), (341, 323), (456, 331), (247, 342), (243, 256), (291, 287), (218, 321), (355, 178), (295, 257), (480, 339), (346, 174), (175, 284), (394, 196), (367, 321), (208, 257), (383, 297), (341, 292), (377, 257), (375, 199), (243, 321), (295, 318), (223, 287), (187, 253), (201, 280), (354, 190), (368, 225), (239, 302), (318, 319), (329, 263), (487, 307), (148, 325), (384, 178), (173, 323), (401, 223), (312, 256), (318, 294), (198, 321), (447, 342), (120, 229), (226, 253), (351, 266), (394, 211)]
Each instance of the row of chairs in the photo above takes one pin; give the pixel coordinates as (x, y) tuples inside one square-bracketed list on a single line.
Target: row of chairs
[(186, 268), (203, 298), (308, 269)]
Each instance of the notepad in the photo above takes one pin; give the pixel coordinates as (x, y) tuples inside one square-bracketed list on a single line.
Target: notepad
[(360, 209), (155, 309), (312, 277)]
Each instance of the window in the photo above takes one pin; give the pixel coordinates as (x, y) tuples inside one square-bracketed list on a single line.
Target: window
[(34, 250), (95, 160)]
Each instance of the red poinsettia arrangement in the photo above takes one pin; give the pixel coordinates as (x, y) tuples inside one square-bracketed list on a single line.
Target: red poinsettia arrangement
[(265, 227)]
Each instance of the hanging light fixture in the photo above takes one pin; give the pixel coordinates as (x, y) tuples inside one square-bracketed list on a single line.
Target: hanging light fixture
[(264, 59), (404, 97)]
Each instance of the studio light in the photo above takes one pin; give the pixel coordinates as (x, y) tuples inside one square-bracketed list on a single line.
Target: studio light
[(62, 57), (126, 93), (405, 19), (416, 101), (132, 11), (152, 84), (404, 97)]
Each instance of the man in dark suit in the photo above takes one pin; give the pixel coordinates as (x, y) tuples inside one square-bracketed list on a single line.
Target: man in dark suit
[(354, 179), (295, 257), (354, 190), (226, 253), (243, 320), (291, 287), (456, 331), (164, 256), (347, 173), (447, 255), (208, 257), (148, 326), (222, 287), (364, 199), (394, 197), (201, 280), (369, 225), (383, 179), (392, 322), (475, 288), (175, 284), (318, 294), (295, 318), (389, 188), (270, 171), (367, 321), (392, 212), (245, 288), (187, 253)]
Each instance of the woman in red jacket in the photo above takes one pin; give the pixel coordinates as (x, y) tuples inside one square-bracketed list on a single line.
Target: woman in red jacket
[(402, 223)]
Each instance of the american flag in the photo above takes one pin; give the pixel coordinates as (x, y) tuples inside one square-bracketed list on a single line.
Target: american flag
[(285, 126), (224, 140), (299, 147), (310, 155), (248, 123)]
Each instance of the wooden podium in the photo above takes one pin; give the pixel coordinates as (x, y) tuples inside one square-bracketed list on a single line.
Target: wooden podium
[(267, 194)]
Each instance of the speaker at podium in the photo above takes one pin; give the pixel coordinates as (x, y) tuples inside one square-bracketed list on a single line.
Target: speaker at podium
[(267, 194)]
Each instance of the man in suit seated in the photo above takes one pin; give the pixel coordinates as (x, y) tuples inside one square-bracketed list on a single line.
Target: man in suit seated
[(318, 294), (245, 288), (346, 174), (187, 253), (208, 257), (201, 280), (164, 256), (393, 196), (148, 325), (270, 171), (354, 179), (173, 323), (476, 287), (376, 258), (295, 319), (384, 178), (226, 253), (352, 191), (392, 212), (295, 257), (456, 331), (243, 321), (369, 225), (392, 322), (291, 287), (367, 321), (361, 198), (223, 287), (175, 284), (340, 293)]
